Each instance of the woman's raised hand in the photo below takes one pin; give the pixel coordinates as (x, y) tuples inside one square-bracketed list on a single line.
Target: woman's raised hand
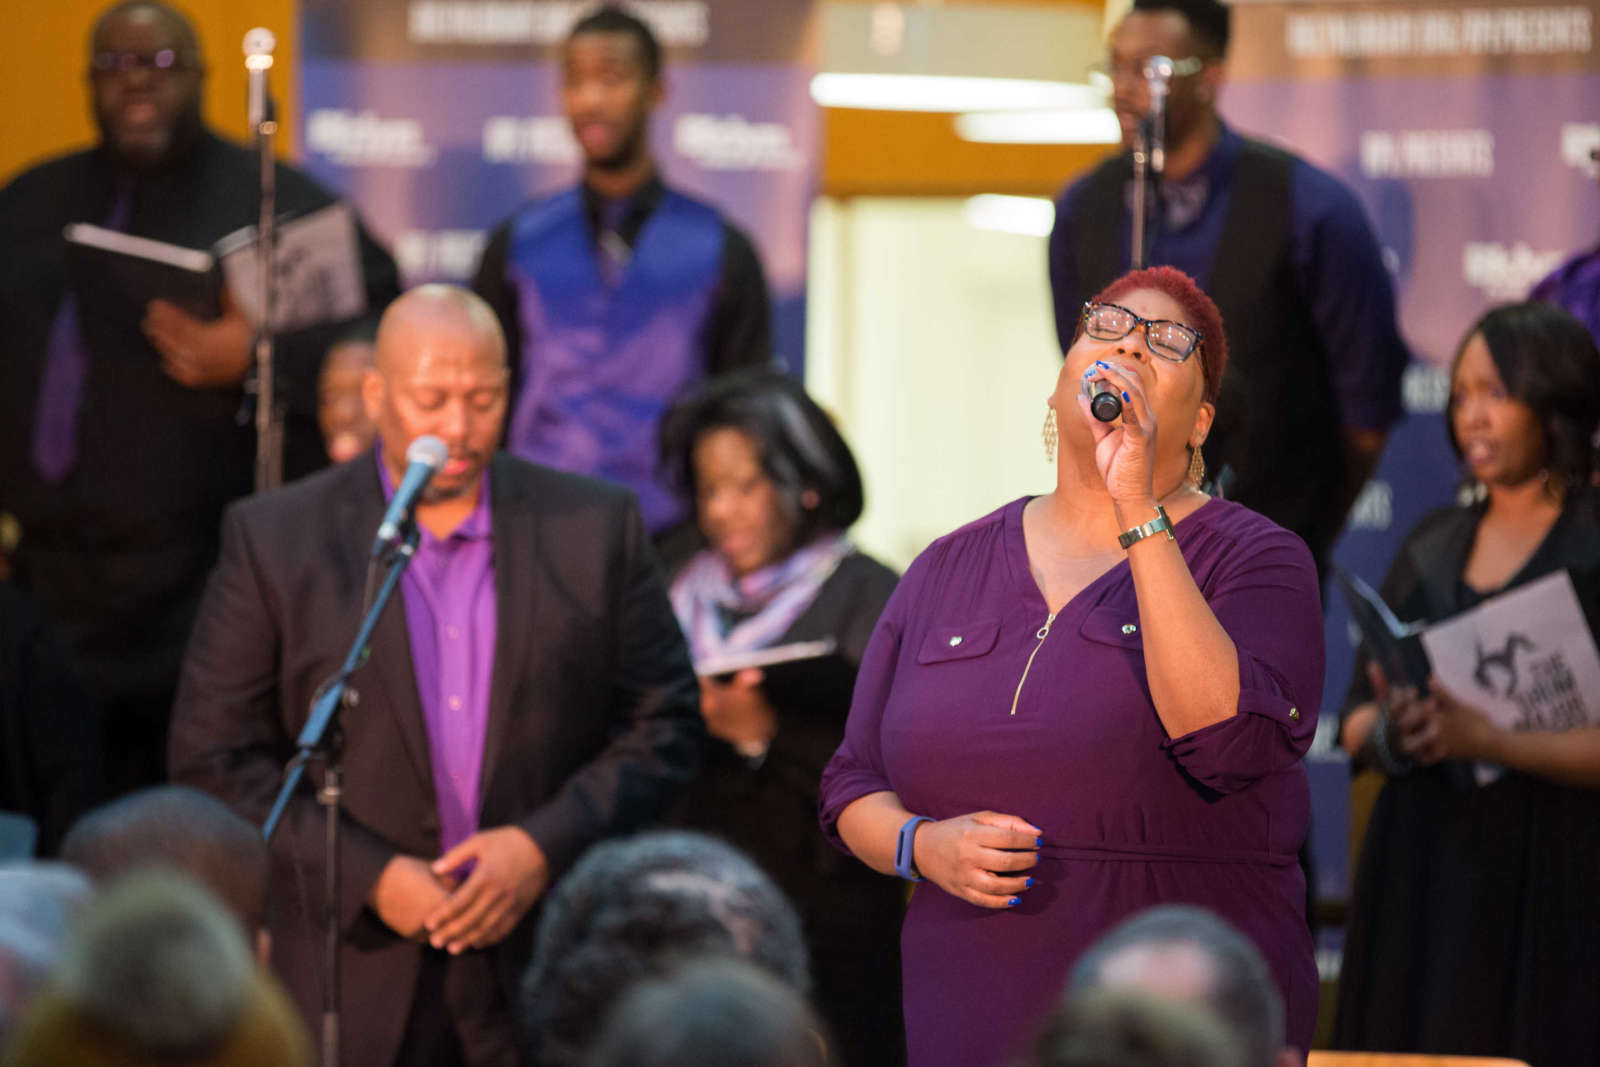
[(1124, 451), (978, 857)]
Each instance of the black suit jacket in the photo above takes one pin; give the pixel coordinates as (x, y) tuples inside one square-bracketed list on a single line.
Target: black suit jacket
[(593, 713)]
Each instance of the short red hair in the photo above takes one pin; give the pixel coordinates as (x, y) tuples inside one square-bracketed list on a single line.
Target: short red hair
[(1199, 311)]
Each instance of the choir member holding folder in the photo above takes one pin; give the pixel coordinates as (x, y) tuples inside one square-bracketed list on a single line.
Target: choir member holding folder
[(1475, 926), (775, 488)]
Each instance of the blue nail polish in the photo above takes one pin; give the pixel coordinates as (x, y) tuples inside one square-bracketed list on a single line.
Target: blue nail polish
[(1028, 884), (1125, 397), (1038, 842), (1013, 902)]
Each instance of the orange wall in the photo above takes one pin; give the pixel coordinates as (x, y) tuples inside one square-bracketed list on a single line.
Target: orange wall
[(44, 108), (44, 104)]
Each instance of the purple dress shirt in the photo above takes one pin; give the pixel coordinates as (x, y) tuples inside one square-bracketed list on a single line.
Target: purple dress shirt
[(448, 592), (1132, 818)]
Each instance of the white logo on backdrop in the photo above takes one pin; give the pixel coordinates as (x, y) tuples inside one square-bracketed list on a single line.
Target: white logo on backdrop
[(730, 142), (539, 139), (1578, 141), (1440, 31), (678, 23), (1427, 153), (451, 254), (1506, 273), (1374, 508), (367, 140), (1424, 388)]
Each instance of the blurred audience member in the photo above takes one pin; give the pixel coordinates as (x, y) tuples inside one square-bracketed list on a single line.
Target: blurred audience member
[(158, 974), (183, 829), (1191, 956), (50, 744), (1473, 927), (1575, 285), (775, 488), (122, 442), (347, 430), (1115, 1028), (619, 293), (39, 903), (712, 1013), (636, 907), (1285, 250)]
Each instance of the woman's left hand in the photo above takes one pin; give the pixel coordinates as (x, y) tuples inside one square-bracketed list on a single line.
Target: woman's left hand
[(1448, 728), (1124, 451), (737, 711)]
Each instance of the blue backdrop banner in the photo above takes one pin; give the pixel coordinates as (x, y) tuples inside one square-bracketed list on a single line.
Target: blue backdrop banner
[(439, 117)]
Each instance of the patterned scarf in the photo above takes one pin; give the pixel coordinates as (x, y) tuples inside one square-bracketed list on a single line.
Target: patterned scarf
[(721, 614)]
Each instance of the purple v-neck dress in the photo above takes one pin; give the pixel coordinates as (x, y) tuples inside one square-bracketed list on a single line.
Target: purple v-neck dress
[(1131, 818)]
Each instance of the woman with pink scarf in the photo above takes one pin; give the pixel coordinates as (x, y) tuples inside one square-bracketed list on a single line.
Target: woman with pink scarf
[(775, 488)]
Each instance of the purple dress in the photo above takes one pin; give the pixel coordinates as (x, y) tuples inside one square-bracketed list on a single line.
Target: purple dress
[(1130, 817)]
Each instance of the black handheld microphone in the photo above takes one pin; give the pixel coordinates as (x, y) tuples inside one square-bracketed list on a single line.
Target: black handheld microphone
[(1105, 403), (424, 459)]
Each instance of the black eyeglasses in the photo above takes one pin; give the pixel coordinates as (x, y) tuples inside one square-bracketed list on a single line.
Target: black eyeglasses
[(161, 61), (1172, 341), (1118, 70)]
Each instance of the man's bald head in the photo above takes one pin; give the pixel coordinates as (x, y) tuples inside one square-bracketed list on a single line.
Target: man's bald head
[(176, 22), (436, 309), (441, 370)]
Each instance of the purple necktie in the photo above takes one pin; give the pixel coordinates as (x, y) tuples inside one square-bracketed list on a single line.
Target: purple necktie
[(55, 425), (614, 251)]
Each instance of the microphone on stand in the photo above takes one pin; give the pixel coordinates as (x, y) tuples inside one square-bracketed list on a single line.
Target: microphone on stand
[(1158, 71), (424, 459), (258, 46)]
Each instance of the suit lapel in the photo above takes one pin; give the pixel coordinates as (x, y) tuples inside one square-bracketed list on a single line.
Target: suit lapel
[(514, 548), (389, 672)]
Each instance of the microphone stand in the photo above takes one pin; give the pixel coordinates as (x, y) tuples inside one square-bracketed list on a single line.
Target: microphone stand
[(258, 45), (1150, 157), (322, 737)]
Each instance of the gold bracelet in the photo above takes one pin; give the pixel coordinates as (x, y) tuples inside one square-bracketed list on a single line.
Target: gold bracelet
[(1159, 524)]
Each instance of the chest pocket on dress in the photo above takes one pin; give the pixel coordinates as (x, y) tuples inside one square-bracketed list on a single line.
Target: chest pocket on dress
[(1116, 625), (966, 640)]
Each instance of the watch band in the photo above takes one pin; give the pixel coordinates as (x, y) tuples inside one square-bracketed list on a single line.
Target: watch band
[(1159, 524), (904, 860)]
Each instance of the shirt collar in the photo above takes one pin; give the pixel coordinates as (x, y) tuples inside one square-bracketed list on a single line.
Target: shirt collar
[(478, 526), (640, 204)]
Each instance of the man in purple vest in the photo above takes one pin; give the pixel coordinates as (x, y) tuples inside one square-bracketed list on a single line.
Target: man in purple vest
[(617, 294), (1313, 384)]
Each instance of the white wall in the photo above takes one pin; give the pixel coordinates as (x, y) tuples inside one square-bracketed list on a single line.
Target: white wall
[(933, 344)]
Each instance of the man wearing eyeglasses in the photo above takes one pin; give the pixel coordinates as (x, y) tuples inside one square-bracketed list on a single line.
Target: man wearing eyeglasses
[(123, 437), (1282, 247)]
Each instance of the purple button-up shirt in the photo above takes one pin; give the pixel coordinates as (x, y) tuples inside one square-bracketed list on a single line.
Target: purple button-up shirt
[(448, 592)]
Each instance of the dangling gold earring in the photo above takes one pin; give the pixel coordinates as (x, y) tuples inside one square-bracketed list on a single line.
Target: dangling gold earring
[(1049, 435), (1197, 466)]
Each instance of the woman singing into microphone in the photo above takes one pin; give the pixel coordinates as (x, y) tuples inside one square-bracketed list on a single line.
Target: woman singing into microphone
[(1090, 702)]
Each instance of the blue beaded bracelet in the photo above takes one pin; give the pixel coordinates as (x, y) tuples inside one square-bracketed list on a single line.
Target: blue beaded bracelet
[(904, 864)]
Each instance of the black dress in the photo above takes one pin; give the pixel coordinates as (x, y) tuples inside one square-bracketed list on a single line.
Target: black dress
[(1475, 926), (851, 914)]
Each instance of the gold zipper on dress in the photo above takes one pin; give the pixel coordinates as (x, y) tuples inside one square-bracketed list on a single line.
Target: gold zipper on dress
[(1044, 632)]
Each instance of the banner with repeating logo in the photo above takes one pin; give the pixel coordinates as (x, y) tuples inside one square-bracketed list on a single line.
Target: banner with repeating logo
[(439, 117), (1465, 128)]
